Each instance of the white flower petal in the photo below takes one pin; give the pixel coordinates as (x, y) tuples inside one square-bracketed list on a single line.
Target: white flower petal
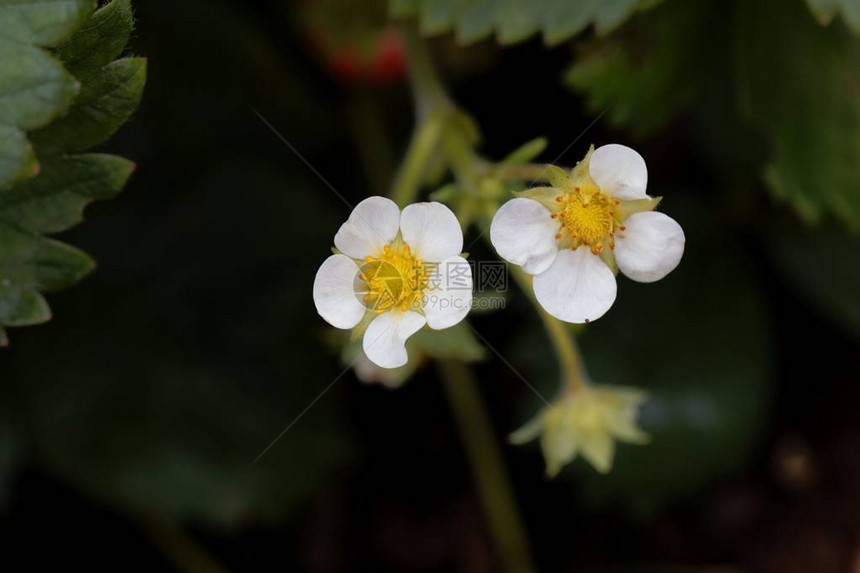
[(371, 225), (432, 231), (619, 171), (578, 287), (334, 294), (449, 297), (385, 339), (650, 248), (523, 233)]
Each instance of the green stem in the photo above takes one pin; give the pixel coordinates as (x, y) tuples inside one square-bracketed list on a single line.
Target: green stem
[(427, 87), (424, 143), (562, 339), (433, 109), (485, 456)]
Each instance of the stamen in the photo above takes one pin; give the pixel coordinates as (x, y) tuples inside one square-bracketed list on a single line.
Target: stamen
[(396, 280), (587, 216)]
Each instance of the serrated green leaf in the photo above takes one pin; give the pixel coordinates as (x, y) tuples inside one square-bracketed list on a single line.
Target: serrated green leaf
[(34, 89), (22, 306), (41, 22), (515, 20), (55, 200), (652, 69), (28, 260), (63, 114), (813, 119), (108, 98), (100, 40), (826, 10)]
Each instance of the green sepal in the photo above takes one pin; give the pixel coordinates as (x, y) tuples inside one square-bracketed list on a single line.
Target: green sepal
[(627, 208), (580, 171), (608, 257), (558, 177), (359, 329), (546, 196)]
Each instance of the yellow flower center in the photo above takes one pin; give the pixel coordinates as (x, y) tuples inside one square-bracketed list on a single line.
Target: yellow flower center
[(588, 217), (395, 279)]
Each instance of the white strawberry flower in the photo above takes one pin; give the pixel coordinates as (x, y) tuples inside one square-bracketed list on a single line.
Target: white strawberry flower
[(576, 235), (393, 274)]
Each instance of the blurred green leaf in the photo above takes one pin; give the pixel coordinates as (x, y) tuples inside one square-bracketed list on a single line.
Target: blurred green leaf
[(652, 69), (823, 267), (804, 96), (826, 10), (515, 20), (698, 341)]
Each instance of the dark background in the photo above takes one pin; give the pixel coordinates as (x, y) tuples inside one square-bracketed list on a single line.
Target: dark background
[(131, 420)]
